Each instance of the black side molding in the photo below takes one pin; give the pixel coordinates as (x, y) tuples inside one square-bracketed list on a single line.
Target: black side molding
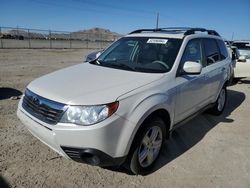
[(179, 124)]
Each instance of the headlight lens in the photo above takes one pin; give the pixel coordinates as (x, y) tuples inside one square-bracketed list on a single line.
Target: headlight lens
[(88, 115)]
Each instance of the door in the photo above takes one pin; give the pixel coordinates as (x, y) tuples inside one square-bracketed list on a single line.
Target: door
[(215, 58), (192, 90)]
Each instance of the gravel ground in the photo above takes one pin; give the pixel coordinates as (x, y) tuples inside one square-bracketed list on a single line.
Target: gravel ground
[(207, 152)]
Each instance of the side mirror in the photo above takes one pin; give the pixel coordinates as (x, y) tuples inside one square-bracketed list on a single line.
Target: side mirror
[(98, 54), (191, 67), (242, 58), (94, 55)]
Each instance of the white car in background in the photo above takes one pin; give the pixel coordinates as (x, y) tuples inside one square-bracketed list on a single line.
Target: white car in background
[(234, 54), (242, 67)]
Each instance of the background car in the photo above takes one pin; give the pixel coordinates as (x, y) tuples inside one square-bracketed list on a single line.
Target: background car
[(242, 67), (233, 52)]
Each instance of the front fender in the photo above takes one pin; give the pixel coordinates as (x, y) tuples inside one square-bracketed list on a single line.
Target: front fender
[(141, 106)]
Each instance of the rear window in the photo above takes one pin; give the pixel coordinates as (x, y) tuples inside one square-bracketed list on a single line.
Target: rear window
[(211, 51)]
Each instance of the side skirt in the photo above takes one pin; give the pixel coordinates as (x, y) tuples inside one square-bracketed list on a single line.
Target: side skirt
[(183, 122)]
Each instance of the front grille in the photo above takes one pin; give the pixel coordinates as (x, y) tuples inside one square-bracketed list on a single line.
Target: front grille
[(43, 109)]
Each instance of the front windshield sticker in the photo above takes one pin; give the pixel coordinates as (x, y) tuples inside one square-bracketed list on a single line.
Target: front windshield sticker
[(157, 41)]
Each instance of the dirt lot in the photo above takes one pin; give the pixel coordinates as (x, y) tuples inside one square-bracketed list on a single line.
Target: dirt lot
[(206, 152)]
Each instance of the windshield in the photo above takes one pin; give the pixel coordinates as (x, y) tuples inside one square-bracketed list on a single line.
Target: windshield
[(141, 54)]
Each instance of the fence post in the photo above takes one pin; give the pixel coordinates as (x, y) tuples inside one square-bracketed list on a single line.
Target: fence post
[(50, 41), (17, 33), (70, 42), (29, 38), (101, 36), (1, 37), (87, 40)]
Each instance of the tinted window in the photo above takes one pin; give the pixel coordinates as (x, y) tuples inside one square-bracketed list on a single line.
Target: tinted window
[(211, 51), (193, 52), (223, 50)]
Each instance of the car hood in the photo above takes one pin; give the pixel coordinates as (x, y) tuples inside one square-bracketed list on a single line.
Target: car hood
[(87, 84)]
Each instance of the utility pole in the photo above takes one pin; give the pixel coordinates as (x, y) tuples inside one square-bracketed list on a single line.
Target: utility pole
[(232, 36), (157, 21)]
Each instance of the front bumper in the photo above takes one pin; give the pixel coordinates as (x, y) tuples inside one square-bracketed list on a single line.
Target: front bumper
[(92, 156), (102, 144)]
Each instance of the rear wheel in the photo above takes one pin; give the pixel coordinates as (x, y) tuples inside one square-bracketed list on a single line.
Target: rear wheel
[(147, 146), (220, 103)]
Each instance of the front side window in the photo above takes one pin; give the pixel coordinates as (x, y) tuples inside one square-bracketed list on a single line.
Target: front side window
[(211, 51), (141, 54), (193, 52)]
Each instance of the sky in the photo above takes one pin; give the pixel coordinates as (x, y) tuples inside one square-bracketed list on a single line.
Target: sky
[(231, 18)]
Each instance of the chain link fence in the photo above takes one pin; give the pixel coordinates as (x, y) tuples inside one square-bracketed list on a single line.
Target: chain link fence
[(11, 37)]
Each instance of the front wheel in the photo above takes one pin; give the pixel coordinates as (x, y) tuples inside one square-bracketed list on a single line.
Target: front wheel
[(147, 146), (220, 103)]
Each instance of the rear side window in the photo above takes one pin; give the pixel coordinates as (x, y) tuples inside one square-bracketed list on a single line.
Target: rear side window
[(223, 50), (212, 52)]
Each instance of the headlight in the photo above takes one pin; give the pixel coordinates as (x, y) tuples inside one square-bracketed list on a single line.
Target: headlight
[(88, 115)]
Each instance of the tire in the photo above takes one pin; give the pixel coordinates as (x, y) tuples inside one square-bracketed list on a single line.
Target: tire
[(146, 146), (220, 103)]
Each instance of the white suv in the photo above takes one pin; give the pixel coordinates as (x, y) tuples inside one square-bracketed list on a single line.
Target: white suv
[(119, 108), (242, 67)]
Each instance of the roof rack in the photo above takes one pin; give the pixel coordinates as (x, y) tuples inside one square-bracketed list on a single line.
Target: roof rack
[(185, 30), (193, 30)]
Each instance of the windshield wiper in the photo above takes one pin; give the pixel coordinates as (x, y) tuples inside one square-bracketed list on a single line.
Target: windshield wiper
[(119, 65), (126, 66)]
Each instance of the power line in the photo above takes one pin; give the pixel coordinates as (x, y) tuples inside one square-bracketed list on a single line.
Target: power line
[(101, 9), (94, 8), (113, 6)]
